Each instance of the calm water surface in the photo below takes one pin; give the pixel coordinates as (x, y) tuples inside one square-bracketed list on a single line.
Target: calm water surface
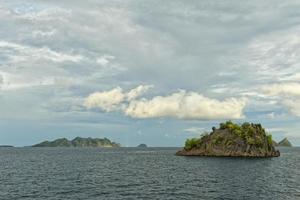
[(152, 173)]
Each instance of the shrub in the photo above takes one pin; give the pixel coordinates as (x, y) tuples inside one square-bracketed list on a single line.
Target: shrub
[(230, 125), (229, 142), (218, 140), (222, 126), (191, 143), (250, 131), (270, 140), (251, 141), (238, 132), (245, 125)]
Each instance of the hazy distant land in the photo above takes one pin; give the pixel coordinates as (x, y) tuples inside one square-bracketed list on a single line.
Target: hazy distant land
[(105, 142), (283, 143), (142, 146), (78, 142)]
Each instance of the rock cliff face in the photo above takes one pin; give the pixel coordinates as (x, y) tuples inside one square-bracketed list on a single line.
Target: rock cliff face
[(246, 140), (78, 142), (275, 143)]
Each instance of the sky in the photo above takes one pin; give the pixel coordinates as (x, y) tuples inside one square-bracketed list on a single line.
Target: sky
[(154, 72)]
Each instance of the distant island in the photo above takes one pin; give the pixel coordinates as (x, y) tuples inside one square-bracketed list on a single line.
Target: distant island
[(142, 146), (78, 142), (283, 143), (233, 140), (6, 146)]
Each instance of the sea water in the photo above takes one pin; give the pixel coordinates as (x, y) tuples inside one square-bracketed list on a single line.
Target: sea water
[(149, 173)]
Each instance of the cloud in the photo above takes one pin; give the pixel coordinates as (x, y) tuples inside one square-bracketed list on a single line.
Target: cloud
[(35, 14), (138, 91), (293, 106), (276, 129), (181, 104), (20, 53), (285, 89), (276, 54), (290, 90), (186, 105), (43, 34), (111, 100), (1, 79), (104, 60), (9, 81), (107, 100), (274, 115), (194, 130), (293, 77), (81, 47)]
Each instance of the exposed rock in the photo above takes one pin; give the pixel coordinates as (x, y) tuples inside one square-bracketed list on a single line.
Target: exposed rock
[(142, 146), (284, 143), (78, 142), (275, 143), (246, 140)]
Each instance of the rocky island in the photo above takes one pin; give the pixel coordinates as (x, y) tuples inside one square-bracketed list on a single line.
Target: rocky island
[(78, 142), (142, 146), (232, 140), (284, 143)]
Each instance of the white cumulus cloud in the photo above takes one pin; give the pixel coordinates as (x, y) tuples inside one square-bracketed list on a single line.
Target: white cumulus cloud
[(181, 104), (286, 89), (107, 100), (112, 99), (186, 105), (138, 91)]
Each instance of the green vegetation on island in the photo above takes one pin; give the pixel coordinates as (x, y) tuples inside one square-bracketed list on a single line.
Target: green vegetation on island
[(230, 139), (78, 142)]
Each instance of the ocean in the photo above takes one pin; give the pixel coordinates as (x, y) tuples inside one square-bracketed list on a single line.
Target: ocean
[(150, 173)]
